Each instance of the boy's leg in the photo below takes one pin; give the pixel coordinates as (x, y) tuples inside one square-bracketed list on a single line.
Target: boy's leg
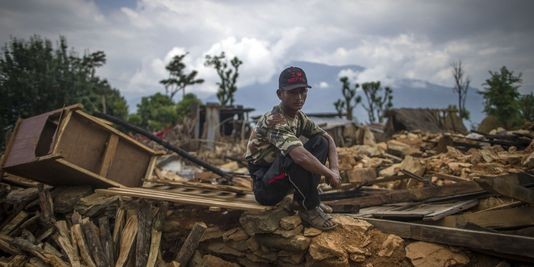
[(304, 182), (269, 183)]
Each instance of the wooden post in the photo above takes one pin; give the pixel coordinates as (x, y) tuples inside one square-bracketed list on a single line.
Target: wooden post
[(191, 243)]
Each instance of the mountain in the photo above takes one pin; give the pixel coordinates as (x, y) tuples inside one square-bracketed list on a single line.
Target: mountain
[(410, 93)]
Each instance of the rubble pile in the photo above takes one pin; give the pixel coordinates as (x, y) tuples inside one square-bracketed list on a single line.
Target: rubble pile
[(72, 226), (438, 156), (421, 199)]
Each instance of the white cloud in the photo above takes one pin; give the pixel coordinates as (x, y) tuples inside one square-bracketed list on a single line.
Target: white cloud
[(323, 85), (390, 39)]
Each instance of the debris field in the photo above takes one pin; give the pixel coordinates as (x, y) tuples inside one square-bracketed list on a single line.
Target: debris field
[(75, 191)]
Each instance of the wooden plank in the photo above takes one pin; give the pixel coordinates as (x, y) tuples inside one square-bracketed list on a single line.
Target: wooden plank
[(150, 169), (191, 243), (229, 188), (409, 195), (38, 252), (117, 230), (455, 208), (13, 223), (9, 146), (19, 181), (142, 247), (62, 237), (92, 236), (451, 177), (109, 154), (85, 254), (104, 180), (183, 198), (127, 239), (6, 246), (156, 234), (57, 171), (412, 214), (66, 116), (105, 238), (46, 204), (509, 186), (494, 219), (478, 240)]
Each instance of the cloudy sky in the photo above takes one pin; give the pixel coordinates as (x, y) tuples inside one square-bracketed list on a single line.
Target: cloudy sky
[(392, 39)]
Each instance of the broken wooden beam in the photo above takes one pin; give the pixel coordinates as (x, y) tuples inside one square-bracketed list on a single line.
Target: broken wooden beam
[(106, 239), (409, 195), (127, 238), (209, 201), (510, 186), (38, 252), (46, 204), (478, 240), (77, 233), (493, 219), (155, 240), (92, 236), (191, 243), (120, 219), (430, 194), (62, 237), (142, 247)]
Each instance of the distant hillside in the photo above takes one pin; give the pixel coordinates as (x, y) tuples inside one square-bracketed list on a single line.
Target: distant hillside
[(406, 93)]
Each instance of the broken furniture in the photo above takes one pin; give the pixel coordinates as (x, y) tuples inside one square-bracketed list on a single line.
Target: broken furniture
[(70, 147)]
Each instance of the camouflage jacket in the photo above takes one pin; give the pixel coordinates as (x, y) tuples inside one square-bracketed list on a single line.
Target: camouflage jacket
[(277, 133)]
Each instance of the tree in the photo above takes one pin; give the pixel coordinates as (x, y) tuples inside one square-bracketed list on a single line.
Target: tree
[(461, 86), (36, 77), (501, 97), (349, 94), (178, 80), (183, 108), (526, 106), (155, 112), (227, 75), (377, 105)]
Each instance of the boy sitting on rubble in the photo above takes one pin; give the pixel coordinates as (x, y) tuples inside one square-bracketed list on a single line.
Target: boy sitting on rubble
[(278, 161)]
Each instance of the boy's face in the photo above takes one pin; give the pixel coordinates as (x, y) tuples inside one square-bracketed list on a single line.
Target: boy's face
[(293, 99)]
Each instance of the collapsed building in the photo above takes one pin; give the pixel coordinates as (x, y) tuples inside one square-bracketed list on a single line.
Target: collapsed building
[(77, 192)]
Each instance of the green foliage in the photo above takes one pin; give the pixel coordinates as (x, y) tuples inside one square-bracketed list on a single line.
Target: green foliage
[(377, 105), (526, 106), (178, 80), (461, 86), (158, 111), (349, 94), (501, 97), (36, 77), (228, 75), (183, 108)]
